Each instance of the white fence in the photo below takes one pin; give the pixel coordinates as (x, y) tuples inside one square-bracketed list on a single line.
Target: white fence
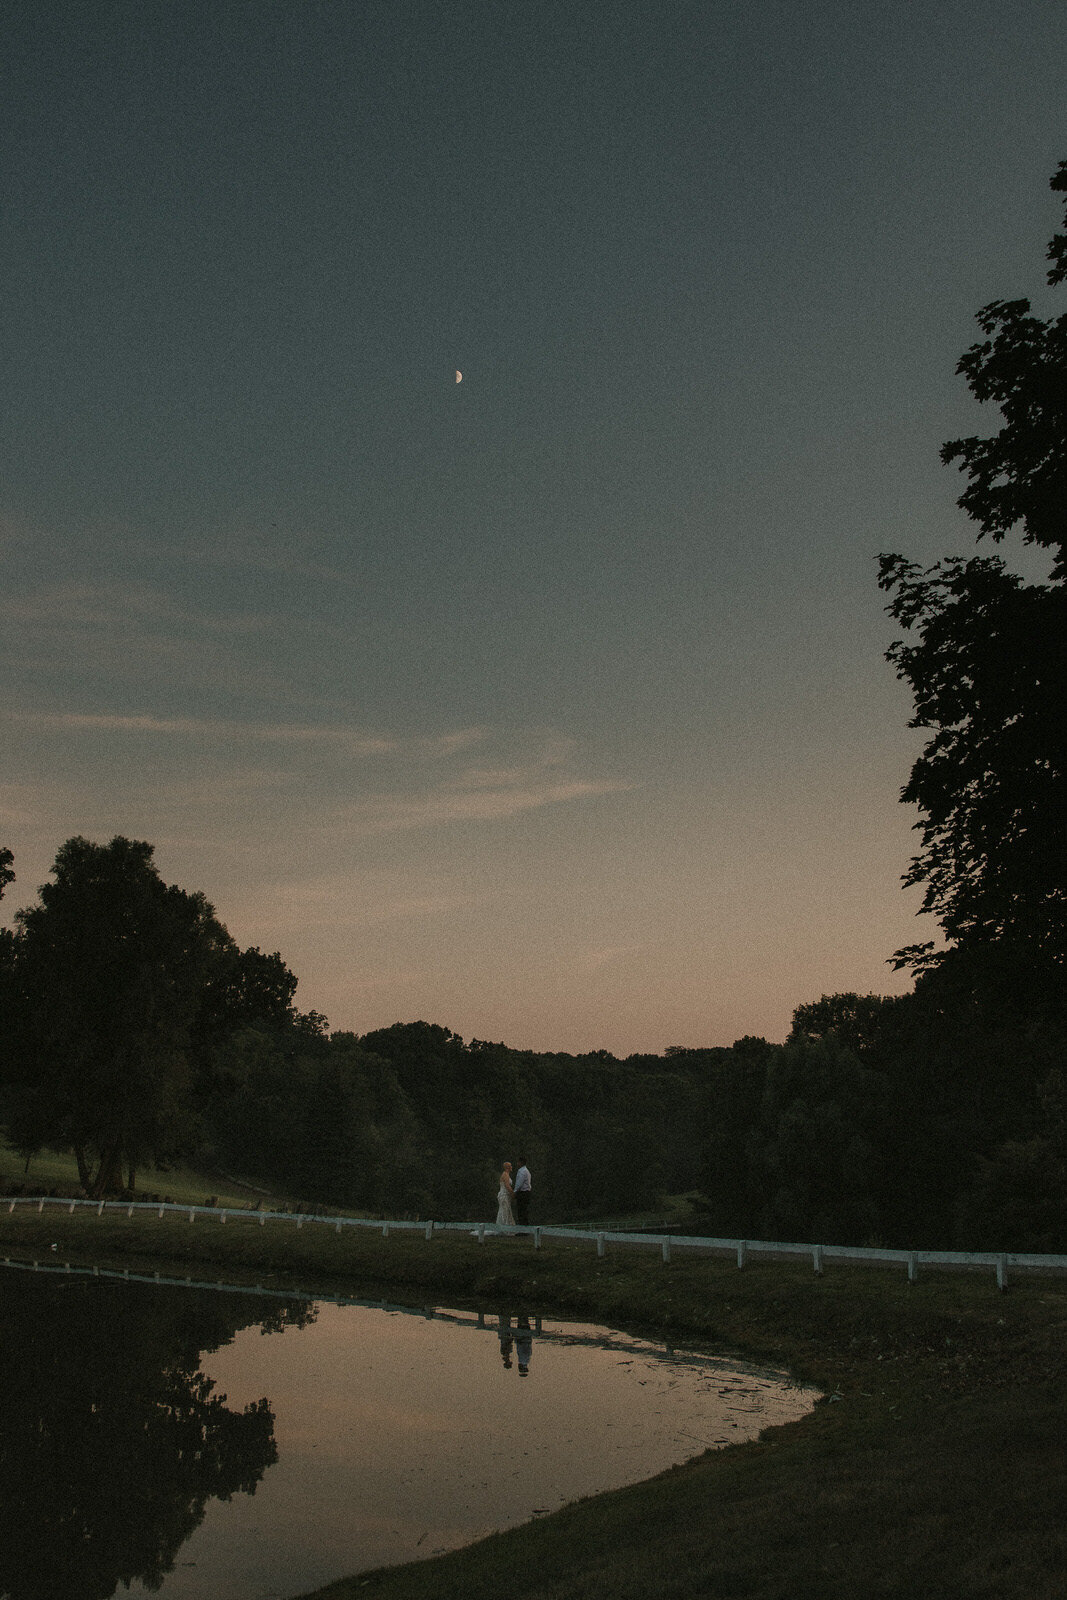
[(1002, 1263)]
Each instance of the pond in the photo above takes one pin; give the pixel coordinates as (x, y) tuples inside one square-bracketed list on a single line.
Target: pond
[(241, 1445)]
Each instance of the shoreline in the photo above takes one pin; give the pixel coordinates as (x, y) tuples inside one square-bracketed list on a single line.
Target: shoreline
[(933, 1464)]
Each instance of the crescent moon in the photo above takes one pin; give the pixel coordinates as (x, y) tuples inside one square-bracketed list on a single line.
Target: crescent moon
[(459, 376)]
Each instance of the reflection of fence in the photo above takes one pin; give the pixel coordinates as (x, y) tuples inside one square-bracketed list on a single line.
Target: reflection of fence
[(1001, 1262), (478, 1321)]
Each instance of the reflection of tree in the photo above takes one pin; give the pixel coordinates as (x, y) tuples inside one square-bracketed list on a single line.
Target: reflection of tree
[(112, 1441)]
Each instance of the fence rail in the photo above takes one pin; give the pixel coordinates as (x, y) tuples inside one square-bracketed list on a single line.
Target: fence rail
[(1002, 1263)]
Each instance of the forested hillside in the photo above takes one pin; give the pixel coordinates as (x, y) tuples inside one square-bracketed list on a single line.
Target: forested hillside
[(136, 1033), (920, 1133)]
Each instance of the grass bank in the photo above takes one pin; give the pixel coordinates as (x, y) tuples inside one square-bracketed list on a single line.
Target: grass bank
[(51, 1169), (934, 1467)]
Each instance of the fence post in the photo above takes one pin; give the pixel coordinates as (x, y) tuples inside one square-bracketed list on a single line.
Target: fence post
[(161, 1211), (816, 1257), (11, 1207), (742, 1252), (600, 1244), (481, 1233), (336, 1230), (537, 1238), (666, 1249), (100, 1209), (913, 1267), (222, 1216), (1002, 1272), (129, 1211), (385, 1230), (70, 1211), (192, 1214), (40, 1205), (299, 1220), (429, 1230)]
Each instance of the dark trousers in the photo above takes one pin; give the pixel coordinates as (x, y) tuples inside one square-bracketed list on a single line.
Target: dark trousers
[(522, 1207)]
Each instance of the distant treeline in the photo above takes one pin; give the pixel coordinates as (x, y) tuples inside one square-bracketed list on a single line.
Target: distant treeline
[(931, 1119), (135, 1032)]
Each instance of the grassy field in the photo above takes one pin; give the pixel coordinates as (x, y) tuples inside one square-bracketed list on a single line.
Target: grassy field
[(934, 1467), (185, 1185)]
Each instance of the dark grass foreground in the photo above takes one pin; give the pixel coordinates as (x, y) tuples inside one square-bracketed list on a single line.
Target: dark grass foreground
[(936, 1466)]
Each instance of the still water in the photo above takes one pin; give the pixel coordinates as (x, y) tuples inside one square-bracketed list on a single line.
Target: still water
[(208, 1445)]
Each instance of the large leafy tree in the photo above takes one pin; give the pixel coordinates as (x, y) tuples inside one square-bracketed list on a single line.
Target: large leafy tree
[(109, 971), (120, 987), (985, 663)]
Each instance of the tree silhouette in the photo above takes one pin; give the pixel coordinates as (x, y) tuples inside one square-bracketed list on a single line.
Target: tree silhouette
[(112, 1441), (121, 988), (988, 663)]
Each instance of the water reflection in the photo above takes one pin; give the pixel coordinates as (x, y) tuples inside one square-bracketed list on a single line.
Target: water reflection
[(136, 1437), (519, 1341), (523, 1345), (112, 1440)]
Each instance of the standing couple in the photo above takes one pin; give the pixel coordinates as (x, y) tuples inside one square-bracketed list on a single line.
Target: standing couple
[(513, 1196)]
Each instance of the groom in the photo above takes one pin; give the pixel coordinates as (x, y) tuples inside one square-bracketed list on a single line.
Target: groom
[(522, 1189)]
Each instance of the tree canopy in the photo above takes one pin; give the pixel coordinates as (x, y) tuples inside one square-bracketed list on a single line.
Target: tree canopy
[(1018, 475), (986, 668), (118, 983)]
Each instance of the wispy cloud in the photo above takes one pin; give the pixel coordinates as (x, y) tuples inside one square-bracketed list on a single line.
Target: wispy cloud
[(346, 904), (135, 634), (96, 606), (264, 560), (371, 983), (354, 741), (387, 813), (592, 960), (19, 804), (233, 784), (202, 728)]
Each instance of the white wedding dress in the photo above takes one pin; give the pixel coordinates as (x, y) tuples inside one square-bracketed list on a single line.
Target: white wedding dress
[(504, 1215)]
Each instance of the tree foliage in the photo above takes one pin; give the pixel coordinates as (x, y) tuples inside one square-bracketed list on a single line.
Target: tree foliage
[(1018, 475), (854, 1020), (120, 986), (987, 673), (7, 870), (986, 669), (814, 1142), (7, 938)]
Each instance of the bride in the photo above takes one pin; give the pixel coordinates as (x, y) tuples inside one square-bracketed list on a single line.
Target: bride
[(505, 1217)]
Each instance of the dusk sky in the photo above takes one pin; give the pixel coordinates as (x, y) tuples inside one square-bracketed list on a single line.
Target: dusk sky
[(549, 705)]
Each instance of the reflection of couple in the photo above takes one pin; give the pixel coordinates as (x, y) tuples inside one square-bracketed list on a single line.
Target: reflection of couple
[(513, 1196), (523, 1342)]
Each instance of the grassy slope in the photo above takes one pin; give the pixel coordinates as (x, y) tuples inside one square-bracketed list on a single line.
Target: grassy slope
[(939, 1472), (185, 1185)]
